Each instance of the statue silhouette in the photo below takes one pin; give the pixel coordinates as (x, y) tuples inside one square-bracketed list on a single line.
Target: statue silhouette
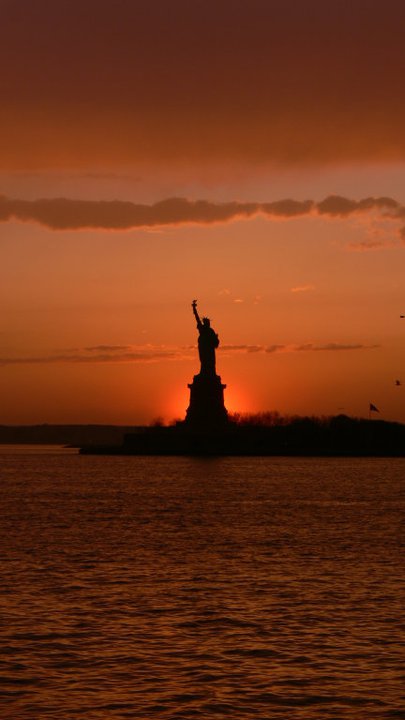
[(208, 341)]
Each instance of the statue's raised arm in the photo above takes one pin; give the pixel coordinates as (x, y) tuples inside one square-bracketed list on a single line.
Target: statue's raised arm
[(196, 315)]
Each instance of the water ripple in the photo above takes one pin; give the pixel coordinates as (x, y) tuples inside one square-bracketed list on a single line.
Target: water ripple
[(177, 589)]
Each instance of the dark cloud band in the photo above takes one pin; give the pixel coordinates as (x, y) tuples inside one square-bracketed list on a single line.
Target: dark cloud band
[(70, 214)]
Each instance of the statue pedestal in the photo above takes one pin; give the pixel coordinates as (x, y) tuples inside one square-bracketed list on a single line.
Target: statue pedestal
[(206, 410)]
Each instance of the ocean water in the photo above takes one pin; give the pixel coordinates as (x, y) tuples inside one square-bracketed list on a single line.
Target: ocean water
[(188, 588)]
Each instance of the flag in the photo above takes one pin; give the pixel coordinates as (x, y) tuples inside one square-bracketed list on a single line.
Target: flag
[(373, 408)]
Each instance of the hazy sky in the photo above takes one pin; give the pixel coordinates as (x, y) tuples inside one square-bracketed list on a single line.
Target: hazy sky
[(248, 154)]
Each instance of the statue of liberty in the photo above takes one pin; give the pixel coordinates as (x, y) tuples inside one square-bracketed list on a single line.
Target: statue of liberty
[(208, 341)]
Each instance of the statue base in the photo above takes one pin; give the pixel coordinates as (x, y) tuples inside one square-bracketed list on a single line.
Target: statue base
[(207, 409)]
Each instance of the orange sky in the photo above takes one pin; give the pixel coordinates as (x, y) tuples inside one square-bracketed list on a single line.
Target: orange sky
[(251, 155)]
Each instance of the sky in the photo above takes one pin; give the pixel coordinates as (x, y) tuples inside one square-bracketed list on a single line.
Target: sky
[(250, 154)]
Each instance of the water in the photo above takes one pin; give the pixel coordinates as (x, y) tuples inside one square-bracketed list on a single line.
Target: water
[(182, 588)]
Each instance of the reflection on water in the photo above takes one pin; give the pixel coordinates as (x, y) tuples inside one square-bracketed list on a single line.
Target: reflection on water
[(182, 588)]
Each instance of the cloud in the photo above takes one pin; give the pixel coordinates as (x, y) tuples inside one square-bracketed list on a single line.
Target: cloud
[(290, 82), (70, 214), (287, 208), (155, 353), (302, 288), (309, 347), (275, 348), (335, 205), (103, 354), (229, 349), (108, 348), (370, 244), (306, 347)]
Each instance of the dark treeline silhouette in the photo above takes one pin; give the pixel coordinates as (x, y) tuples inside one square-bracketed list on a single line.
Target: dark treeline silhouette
[(269, 418), (325, 435), (270, 434)]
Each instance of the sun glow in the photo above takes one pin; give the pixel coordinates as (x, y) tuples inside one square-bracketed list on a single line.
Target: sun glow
[(175, 404), (237, 400)]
